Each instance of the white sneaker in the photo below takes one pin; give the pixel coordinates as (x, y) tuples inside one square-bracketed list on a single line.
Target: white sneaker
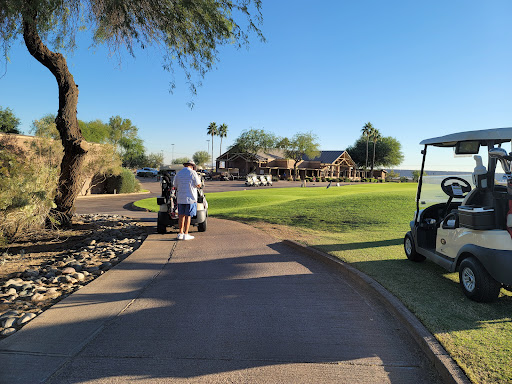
[(180, 236), (186, 236)]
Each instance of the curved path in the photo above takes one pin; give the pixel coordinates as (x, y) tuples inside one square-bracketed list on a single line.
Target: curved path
[(233, 305)]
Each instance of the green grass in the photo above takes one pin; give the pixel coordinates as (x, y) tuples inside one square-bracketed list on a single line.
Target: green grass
[(364, 225)]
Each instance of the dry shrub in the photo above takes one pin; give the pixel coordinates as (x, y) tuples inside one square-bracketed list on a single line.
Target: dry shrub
[(102, 162), (28, 183)]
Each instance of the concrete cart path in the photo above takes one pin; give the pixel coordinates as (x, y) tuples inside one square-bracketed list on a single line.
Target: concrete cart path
[(230, 306)]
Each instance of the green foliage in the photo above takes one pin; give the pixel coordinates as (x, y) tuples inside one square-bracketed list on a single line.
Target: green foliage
[(8, 121), (27, 186), (302, 144), (134, 153), (122, 132), (154, 160), (95, 131), (123, 183), (201, 158), (254, 140), (416, 175), (180, 160), (388, 152), (223, 132), (45, 127), (392, 175), (187, 33)]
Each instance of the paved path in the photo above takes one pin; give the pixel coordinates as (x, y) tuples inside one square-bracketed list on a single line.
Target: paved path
[(231, 306)]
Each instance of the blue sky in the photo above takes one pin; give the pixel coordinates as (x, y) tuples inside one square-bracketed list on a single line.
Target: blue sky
[(413, 69)]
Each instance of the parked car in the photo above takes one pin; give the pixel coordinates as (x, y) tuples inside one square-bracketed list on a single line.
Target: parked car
[(147, 172)]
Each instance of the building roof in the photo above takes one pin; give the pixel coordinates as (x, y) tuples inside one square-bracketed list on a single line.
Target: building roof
[(326, 157)]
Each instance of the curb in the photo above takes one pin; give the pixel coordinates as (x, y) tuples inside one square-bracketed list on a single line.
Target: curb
[(450, 372), (99, 195)]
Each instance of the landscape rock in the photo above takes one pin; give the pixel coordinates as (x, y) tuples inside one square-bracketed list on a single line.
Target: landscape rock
[(24, 295), (26, 318), (8, 331), (68, 270), (8, 322)]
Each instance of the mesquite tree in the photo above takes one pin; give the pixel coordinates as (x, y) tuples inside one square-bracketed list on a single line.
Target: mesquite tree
[(187, 32)]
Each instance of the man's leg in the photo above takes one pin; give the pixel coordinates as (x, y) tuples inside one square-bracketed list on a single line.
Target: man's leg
[(181, 223), (186, 224)]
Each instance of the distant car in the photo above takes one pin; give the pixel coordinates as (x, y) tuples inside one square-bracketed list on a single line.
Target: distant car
[(147, 172)]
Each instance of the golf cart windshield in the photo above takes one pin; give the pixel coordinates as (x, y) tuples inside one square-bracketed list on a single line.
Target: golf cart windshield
[(461, 155)]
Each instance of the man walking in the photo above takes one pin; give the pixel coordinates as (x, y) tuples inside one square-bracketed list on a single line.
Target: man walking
[(186, 182)]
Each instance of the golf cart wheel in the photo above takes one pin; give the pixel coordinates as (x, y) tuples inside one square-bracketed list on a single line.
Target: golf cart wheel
[(161, 228), (410, 250), (201, 227), (161, 223), (476, 283)]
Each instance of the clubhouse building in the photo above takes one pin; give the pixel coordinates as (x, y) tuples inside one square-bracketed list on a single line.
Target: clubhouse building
[(273, 162)]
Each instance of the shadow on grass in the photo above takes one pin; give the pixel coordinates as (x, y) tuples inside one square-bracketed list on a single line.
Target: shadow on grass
[(362, 245), (431, 293)]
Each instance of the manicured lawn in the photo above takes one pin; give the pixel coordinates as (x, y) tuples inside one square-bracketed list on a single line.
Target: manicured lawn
[(364, 225)]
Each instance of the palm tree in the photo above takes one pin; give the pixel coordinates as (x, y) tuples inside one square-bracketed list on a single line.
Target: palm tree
[(214, 131), (375, 137), (367, 131), (223, 132)]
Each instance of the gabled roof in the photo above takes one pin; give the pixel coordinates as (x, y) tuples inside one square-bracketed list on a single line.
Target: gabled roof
[(326, 157), (271, 154)]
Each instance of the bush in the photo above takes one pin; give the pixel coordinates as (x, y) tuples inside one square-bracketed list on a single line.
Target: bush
[(123, 183), (27, 190), (275, 178), (403, 179), (381, 180)]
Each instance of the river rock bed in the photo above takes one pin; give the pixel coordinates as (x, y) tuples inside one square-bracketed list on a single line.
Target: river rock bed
[(26, 293)]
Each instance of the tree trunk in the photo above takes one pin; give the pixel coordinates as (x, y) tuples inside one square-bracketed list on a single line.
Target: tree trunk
[(75, 147), (373, 159)]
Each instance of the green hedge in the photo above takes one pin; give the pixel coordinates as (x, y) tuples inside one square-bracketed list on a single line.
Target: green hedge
[(123, 183)]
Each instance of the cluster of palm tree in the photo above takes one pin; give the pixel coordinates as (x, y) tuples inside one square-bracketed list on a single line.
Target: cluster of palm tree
[(371, 134), (221, 131)]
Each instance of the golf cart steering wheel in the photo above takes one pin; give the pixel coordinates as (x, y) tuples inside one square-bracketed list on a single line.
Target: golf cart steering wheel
[(462, 187)]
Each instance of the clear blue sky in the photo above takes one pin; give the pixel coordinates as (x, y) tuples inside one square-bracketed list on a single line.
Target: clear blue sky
[(413, 69)]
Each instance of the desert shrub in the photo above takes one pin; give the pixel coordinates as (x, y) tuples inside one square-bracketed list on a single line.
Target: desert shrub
[(403, 179), (125, 182), (102, 162), (27, 189), (275, 178)]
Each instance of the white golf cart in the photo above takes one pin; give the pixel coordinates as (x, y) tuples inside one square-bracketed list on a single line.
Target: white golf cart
[(168, 213), (470, 228)]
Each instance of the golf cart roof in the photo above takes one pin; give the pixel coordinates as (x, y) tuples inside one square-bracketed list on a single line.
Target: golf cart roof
[(496, 135)]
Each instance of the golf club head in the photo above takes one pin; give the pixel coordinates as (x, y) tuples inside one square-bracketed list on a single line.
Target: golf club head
[(500, 153)]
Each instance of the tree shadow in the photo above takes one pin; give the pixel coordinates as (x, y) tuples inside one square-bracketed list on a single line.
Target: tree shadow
[(430, 291), (361, 245), (217, 318)]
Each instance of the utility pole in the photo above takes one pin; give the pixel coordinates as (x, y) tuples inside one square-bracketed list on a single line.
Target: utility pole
[(172, 154)]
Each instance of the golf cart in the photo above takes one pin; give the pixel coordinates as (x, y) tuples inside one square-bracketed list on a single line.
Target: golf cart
[(168, 214), (469, 230)]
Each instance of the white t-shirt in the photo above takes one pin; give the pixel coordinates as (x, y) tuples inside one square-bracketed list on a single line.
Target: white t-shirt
[(186, 182)]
